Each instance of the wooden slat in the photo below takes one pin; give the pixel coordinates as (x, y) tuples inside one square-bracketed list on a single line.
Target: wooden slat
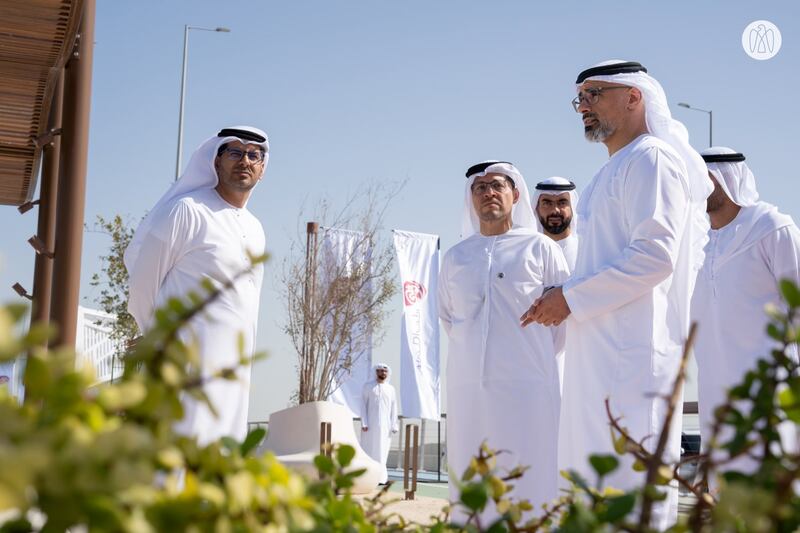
[(36, 40)]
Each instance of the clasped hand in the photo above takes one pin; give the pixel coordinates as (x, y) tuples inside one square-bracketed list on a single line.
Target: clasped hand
[(550, 309)]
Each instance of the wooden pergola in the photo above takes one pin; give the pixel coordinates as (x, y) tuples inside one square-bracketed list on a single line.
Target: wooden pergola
[(45, 93)]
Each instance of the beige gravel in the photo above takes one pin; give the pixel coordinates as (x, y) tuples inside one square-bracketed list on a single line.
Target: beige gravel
[(419, 510)]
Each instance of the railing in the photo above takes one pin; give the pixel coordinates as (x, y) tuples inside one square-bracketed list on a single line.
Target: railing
[(432, 458), (95, 346)]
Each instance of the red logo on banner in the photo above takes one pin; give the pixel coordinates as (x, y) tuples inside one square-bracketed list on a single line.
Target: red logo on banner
[(413, 292)]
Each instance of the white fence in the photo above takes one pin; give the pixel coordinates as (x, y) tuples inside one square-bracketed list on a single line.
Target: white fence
[(94, 344)]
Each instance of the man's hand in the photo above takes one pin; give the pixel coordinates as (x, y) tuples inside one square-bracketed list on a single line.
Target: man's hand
[(550, 309), (364, 428)]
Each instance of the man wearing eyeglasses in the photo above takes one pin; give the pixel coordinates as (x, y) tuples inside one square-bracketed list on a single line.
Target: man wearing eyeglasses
[(642, 230), (201, 230), (502, 379)]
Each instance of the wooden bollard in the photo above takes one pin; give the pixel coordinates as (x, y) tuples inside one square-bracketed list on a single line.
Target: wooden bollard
[(325, 447), (411, 464)]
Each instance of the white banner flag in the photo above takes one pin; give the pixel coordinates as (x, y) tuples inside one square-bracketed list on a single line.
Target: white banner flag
[(418, 263), (341, 253)]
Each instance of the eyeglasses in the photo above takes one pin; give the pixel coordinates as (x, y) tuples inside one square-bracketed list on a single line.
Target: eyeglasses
[(498, 186), (253, 156), (592, 95)]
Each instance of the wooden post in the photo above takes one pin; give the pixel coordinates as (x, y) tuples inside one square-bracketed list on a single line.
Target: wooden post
[(43, 268), (72, 165), (406, 462), (325, 447), (411, 464), (328, 438)]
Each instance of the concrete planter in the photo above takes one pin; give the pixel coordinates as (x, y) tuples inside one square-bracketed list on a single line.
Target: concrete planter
[(294, 438)]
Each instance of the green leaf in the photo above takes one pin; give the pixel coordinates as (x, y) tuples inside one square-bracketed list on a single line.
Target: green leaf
[(790, 292), (229, 443), (324, 464), (619, 507), (252, 440), (340, 511), (654, 493), (17, 311), (39, 334), (17, 524), (37, 377), (603, 464), (345, 454), (475, 496), (577, 480), (176, 305), (789, 403), (774, 332), (344, 481), (497, 527)]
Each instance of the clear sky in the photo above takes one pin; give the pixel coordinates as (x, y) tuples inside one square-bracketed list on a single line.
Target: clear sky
[(358, 91)]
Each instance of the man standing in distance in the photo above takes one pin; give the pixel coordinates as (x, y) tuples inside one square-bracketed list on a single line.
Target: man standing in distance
[(751, 248), (502, 380), (201, 229), (554, 201), (643, 225), (378, 417)]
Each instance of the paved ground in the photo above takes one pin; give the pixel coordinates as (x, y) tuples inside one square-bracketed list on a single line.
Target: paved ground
[(426, 504), (431, 497)]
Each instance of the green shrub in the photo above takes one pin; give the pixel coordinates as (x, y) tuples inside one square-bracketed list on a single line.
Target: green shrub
[(107, 458)]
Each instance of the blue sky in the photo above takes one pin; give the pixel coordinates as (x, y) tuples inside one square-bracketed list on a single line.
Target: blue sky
[(357, 91)]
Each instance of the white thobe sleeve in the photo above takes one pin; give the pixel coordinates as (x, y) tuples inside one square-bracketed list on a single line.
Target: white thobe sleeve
[(656, 204), (783, 252), (365, 406), (444, 299), (160, 250), (556, 272)]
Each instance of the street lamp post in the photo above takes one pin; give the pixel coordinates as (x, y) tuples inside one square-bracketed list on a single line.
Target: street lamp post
[(710, 120), (186, 29)]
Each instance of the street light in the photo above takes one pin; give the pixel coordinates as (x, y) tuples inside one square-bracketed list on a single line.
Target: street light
[(710, 120), (186, 29)]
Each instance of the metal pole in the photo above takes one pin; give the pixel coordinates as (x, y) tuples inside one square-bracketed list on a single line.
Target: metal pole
[(710, 128), (439, 450), (72, 182), (183, 97), (43, 269), (307, 353)]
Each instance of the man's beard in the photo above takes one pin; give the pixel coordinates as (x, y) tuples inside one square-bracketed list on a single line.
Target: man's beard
[(599, 132), (715, 201), (556, 229)]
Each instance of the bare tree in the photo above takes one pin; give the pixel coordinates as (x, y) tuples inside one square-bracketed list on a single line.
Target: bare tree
[(336, 307)]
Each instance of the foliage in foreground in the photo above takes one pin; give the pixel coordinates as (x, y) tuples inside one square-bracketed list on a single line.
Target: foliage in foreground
[(746, 425), (107, 458)]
